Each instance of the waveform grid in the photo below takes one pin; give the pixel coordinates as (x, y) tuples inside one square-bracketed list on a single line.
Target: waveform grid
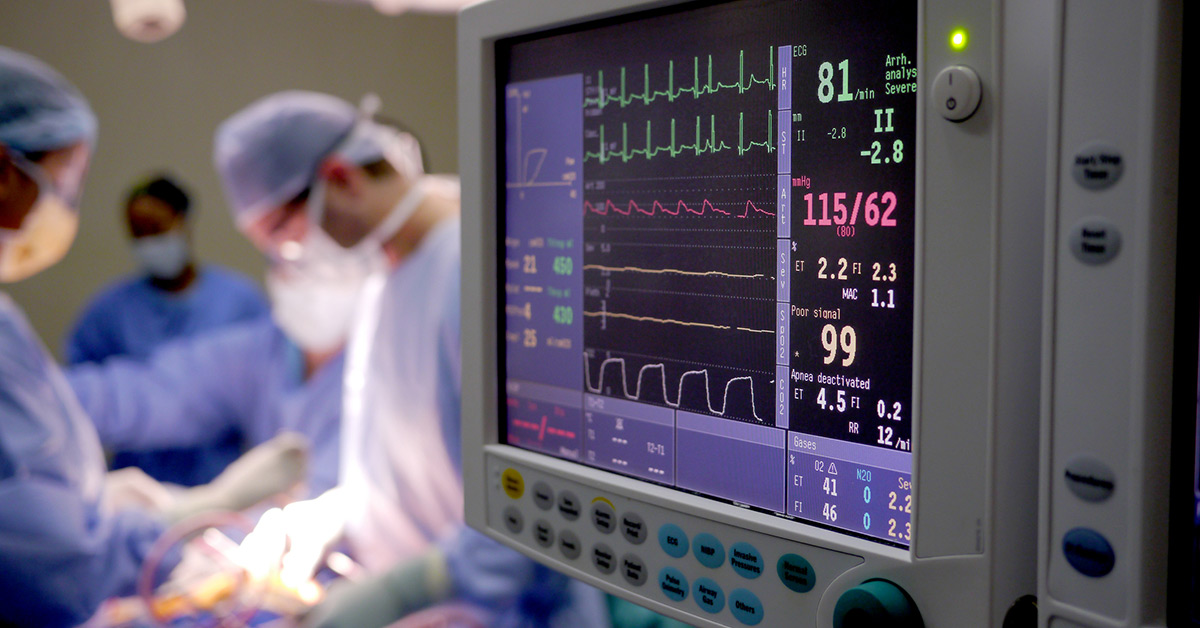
[(671, 321), (672, 271), (637, 395), (681, 208), (671, 93), (697, 148)]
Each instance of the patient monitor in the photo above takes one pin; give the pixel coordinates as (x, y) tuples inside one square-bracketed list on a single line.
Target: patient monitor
[(752, 299)]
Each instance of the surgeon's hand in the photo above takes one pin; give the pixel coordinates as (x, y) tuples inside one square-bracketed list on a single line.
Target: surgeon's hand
[(295, 539), (132, 488), (383, 599), (274, 467)]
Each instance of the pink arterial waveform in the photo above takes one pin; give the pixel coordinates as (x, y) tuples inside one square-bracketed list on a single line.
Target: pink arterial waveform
[(680, 208)]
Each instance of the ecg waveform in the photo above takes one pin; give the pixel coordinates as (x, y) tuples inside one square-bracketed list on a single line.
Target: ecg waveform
[(672, 321), (671, 93), (681, 208), (662, 368), (698, 147), (671, 271)]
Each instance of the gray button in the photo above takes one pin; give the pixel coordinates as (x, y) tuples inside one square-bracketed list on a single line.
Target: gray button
[(956, 93), (634, 528), (569, 544), (543, 533), (603, 558), (543, 496), (1089, 479), (1095, 240), (569, 505), (514, 520), (604, 517), (1097, 165), (633, 570)]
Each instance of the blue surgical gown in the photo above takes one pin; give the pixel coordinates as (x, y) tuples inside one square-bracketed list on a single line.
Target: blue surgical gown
[(247, 377), (401, 462), (133, 318), (61, 553)]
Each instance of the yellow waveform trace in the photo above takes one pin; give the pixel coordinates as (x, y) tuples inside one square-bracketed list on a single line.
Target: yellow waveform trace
[(670, 271), (671, 321)]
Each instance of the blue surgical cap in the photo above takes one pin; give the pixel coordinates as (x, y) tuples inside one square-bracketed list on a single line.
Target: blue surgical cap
[(269, 152), (39, 109)]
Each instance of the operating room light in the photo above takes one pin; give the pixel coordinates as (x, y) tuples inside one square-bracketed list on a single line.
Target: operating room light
[(148, 21), (396, 7)]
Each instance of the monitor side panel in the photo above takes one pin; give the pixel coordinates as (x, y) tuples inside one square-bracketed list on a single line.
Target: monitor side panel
[(1112, 224)]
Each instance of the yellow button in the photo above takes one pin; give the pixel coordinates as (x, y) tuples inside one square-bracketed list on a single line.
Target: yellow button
[(513, 483)]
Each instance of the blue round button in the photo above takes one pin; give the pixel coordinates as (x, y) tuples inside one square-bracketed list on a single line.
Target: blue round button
[(745, 607), (708, 595), (746, 560), (1088, 552), (673, 540), (708, 550), (796, 573), (673, 583)]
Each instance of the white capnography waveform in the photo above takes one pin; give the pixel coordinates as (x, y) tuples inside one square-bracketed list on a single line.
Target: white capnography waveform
[(662, 368)]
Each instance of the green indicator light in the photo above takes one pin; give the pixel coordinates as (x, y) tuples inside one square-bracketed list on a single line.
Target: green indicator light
[(958, 39)]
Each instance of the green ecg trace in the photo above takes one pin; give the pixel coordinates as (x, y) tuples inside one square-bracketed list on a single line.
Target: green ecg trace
[(698, 147), (671, 93)]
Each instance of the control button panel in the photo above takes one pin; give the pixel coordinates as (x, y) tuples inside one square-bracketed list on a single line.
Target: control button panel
[(543, 533), (633, 527), (514, 520), (1090, 479), (709, 595), (570, 545), (569, 505), (673, 583), (604, 517), (543, 496), (746, 560), (673, 540), (1095, 241), (708, 550), (513, 482), (796, 573), (633, 569), (746, 607), (711, 571), (603, 558), (1097, 165), (1088, 552), (957, 91)]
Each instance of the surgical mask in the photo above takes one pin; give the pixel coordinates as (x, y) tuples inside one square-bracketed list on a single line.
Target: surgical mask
[(46, 233), (163, 256), (320, 253), (314, 309)]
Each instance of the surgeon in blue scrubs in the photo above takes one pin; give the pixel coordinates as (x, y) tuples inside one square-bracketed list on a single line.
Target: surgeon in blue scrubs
[(254, 378), (287, 161), (61, 551), (170, 297)]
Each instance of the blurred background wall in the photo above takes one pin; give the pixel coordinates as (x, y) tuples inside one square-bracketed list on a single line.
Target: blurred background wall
[(158, 105)]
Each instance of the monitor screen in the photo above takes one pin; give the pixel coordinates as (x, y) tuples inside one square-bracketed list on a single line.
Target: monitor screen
[(708, 222)]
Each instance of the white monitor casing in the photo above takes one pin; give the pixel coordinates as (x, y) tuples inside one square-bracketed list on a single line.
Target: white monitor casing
[(980, 197), (1112, 212)]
